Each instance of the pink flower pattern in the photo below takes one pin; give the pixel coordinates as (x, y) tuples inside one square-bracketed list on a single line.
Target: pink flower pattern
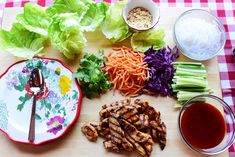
[(55, 124)]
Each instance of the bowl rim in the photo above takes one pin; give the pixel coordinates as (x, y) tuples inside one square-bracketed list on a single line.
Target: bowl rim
[(136, 29), (181, 132), (209, 14)]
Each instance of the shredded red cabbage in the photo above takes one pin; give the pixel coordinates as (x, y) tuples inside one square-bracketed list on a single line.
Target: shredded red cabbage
[(161, 69)]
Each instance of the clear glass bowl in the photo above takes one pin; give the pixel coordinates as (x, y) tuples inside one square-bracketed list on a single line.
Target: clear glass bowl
[(199, 41), (229, 117)]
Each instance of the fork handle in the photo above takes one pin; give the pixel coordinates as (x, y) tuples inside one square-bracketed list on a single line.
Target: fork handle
[(31, 136)]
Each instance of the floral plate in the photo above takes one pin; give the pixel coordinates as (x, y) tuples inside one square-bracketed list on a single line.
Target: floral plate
[(58, 106)]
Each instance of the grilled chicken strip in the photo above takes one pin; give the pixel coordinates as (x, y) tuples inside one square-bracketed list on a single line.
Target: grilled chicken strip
[(104, 123), (141, 105), (124, 102), (129, 113), (108, 144), (144, 120), (105, 113), (127, 145), (159, 135), (144, 139), (158, 131), (90, 132), (162, 136), (137, 146), (116, 131), (103, 128), (117, 134), (103, 132), (152, 113), (107, 109)]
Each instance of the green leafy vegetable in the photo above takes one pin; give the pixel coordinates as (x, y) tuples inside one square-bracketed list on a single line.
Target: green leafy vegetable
[(28, 35), (190, 79), (142, 41), (68, 6), (34, 19), (21, 42), (94, 16), (90, 74), (90, 14), (114, 27), (70, 19), (66, 35), (63, 23)]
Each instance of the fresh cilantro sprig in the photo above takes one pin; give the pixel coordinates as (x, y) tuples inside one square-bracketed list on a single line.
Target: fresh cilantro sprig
[(90, 75)]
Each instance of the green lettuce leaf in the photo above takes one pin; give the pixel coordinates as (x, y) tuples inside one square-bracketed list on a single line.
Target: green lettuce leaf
[(34, 19), (94, 16), (114, 27), (68, 6), (142, 41), (91, 14), (66, 34), (21, 42)]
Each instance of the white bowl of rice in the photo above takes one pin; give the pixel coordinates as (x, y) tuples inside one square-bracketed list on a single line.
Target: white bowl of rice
[(199, 34)]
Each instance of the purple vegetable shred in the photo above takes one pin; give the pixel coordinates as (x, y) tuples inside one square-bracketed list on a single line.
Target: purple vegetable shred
[(161, 69)]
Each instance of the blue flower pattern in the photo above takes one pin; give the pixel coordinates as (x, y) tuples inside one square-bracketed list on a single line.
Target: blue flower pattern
[(3, 115)]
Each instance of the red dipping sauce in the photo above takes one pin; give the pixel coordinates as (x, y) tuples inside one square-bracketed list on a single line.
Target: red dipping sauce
[(203, 125)]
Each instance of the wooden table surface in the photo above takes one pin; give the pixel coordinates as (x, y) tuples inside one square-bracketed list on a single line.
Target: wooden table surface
[(74, 144)]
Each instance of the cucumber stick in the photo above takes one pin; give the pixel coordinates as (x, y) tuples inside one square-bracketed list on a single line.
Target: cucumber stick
[(190, 79)]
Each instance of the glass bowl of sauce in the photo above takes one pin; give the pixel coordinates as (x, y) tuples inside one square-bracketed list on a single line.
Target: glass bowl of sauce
[(203, 124)]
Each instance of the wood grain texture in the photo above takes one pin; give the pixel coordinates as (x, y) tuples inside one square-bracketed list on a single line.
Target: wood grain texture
[(74, 144)]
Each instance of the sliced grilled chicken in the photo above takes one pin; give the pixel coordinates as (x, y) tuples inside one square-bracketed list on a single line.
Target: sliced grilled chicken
[(133, 132), (124, 102), (116, 132), (104, 123), (105, 113), (154, 124), (118, 135), (108, 109), (144, 122), (90, 132), (137, 146), (102, 129), (128, 127), (108, 144), (161, 135), (104, 132), (129, 113), (141, 105), (144, 139), (158, 132), (152, 113), (127, 145)]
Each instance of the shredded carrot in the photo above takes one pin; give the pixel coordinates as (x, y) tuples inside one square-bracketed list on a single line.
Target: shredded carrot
[(127, 70)]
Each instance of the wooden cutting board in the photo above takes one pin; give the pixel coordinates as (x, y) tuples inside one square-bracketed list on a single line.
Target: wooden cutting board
[(74, 143)]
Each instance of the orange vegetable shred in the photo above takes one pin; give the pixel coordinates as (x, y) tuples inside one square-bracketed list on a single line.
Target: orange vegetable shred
[(127, 70)]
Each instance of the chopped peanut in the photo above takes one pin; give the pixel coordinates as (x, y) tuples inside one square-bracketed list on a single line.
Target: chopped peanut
[(139, 18)]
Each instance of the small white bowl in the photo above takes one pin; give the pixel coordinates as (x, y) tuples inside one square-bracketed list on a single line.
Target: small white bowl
[(148, 5)]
